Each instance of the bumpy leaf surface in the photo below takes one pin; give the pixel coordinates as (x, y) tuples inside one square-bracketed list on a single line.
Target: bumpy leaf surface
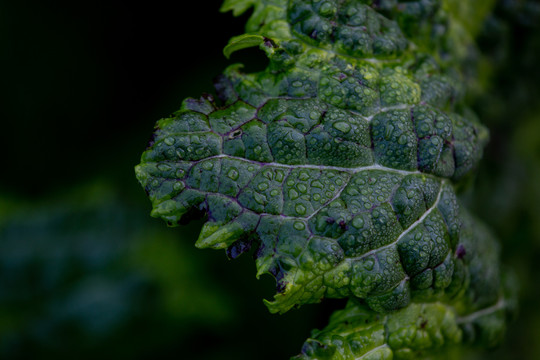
[(425, 330), (410, 333), (337, 162)]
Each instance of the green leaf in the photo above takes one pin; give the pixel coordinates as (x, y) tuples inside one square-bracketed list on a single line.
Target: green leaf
[(338, 162), (325, 224), (238, 7), (423, 329), (410, 333), (242, 42)]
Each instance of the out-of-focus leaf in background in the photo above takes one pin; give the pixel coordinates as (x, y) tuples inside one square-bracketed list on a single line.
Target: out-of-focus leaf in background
[(86, 271), (507, 189)]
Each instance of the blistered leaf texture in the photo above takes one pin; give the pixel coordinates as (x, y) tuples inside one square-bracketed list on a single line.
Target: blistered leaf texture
[(410, 333), (423, 329), (329, 218), (337, 163)]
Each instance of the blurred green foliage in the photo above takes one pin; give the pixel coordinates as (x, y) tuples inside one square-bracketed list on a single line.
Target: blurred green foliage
[(85, 272), (507, 189)]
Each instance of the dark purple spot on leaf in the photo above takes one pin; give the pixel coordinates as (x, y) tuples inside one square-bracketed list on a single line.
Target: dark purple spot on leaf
[(280, 286), (238, 248), (460, 251), (208, 97), (269, 43)]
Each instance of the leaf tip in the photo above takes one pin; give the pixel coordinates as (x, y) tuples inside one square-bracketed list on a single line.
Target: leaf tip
[(242, 42)]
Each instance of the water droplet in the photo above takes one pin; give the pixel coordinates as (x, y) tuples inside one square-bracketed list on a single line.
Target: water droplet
[(257, 150), (258, 198), (358, 222), (389, 129), (402, 139), (298, 225), (233, 174), (342, 126), (300, 209), (302, 188), (180, 173), (262, 186), (304, 175), (207, 165), (164, 167), (169, 141), (327, 9), (274, 192), (269, 174), (293, 194), (336, 99), (178, 186), (368, 264)]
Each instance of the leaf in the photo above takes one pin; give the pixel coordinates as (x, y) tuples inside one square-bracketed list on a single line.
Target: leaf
[(410, 333), (242, 42), (238, 7), (422, 329), (325, 224), (334, 192), (337, 163)]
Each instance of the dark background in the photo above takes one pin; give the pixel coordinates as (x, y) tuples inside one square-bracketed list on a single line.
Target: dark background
[(85, 272), (83, 82)]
